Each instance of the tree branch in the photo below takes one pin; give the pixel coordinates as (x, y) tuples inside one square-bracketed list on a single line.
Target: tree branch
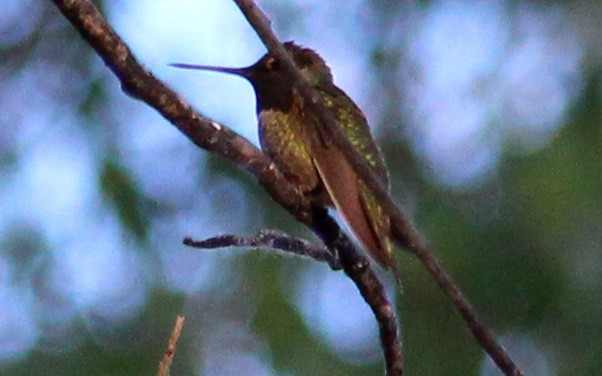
[(273, 240), (278, 240), (214, 137), (403, 232)]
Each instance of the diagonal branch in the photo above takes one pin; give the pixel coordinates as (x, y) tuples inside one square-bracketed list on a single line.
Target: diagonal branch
[(403, 232), (214, 137)]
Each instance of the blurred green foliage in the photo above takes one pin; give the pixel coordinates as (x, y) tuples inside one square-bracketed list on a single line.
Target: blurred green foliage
[(121, 192)]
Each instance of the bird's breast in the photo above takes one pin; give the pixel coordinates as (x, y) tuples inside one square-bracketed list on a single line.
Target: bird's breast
[(283, 137)]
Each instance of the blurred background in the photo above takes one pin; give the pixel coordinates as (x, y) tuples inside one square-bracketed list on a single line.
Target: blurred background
[(489, 114)]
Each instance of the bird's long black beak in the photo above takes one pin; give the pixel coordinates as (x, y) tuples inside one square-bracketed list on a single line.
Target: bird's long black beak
[(243, 72)]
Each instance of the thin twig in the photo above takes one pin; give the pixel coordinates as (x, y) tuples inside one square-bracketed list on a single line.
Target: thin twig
[(403, 232), (273, 240), (217, 138), (168, 355)]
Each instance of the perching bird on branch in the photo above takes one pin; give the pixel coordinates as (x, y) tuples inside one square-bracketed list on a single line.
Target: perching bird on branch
[(292, 137)]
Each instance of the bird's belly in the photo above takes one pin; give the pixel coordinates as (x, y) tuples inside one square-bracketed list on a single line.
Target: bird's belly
[(281, 138)]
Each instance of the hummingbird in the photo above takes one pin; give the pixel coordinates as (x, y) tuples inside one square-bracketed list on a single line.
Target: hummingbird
[(290, 135)]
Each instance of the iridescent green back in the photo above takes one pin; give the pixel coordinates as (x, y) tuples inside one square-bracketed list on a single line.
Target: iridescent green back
[(356, 128)]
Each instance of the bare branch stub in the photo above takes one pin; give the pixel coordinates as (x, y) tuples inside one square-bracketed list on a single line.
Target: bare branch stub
[(271, 240)]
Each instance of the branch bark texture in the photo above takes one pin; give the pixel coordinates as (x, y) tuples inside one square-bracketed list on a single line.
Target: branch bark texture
[(271, 240)]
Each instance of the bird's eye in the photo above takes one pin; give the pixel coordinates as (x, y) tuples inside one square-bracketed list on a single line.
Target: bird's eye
[(274, 64)]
